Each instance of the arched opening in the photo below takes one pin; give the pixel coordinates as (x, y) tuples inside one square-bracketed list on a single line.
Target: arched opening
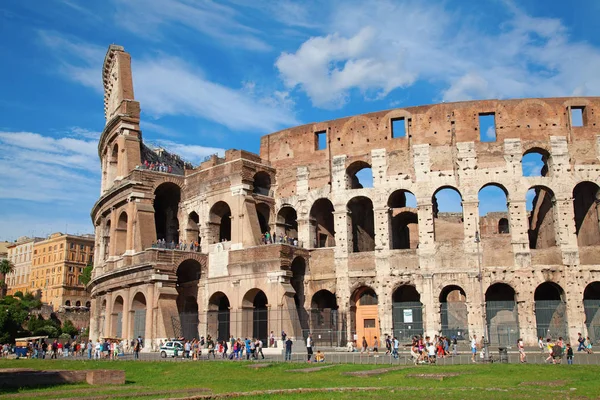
[(454, 314), (287, 223), (360, 211), (113, 165), (220, 223), (166, 206), (219, 317), (88, 304), (262, 183), (591, 305), (256, 315), (407, 312), (263, 212), (586, 196), (192, 230), (404, 220), (364, 315), (101, 319), (550, 311), (78, 303), (322, 224), (106, 241), (541, 208), (501, 314), (447, 215), (493, 210), (117, 318), (68, 303), (326, 325), (188, 275), (535, 162), (121, 235), (138, 306), (359, 175)]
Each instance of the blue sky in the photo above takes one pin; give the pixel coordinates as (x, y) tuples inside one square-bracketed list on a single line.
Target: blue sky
[(214, 75)]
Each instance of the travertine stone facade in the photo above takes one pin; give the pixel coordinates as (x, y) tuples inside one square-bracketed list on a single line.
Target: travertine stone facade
[(367, 261)]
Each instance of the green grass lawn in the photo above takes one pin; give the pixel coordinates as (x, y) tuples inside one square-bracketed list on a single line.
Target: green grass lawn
[(150, 380)]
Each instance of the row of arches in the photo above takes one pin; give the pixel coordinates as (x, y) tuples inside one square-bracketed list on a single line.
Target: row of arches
[(77, 303)]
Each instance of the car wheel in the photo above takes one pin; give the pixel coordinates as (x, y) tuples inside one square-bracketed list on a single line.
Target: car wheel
[(163, 354)]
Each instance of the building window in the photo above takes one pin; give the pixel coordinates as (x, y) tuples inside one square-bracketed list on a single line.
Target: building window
[(81, 247), (72, 246), (62, 245), (369, 323)]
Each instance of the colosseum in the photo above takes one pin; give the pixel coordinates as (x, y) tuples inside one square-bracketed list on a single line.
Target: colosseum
[(182, 251)]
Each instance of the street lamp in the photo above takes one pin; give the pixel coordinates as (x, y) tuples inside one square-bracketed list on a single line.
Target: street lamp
[(486, 356)]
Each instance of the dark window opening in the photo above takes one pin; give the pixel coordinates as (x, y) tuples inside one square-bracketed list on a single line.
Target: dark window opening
[(321, 140), (398, 128), (369, 323), (487, 127)]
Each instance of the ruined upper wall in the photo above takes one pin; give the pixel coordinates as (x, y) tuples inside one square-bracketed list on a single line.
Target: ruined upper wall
[(118, 83)]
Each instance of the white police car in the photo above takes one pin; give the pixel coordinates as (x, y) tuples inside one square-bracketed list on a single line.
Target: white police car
[(168, 349)]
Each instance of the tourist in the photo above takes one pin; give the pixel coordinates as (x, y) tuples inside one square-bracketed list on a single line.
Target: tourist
[(541, 344), (271, 339), (210, 345), (581, 342), (288, 349), (187, 348), (588, 346), (388, 344), (309, 347), (98, 350), (473, 348), (364, 346), (395, 348), (521, 347), (258, 349), (569, 354), (319, 357), (375, 346), (454, 345), (138, 347)]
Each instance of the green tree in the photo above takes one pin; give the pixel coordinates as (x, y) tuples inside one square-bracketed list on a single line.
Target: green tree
[(86, 275), (69, 328), (13, 313), (6, 267)]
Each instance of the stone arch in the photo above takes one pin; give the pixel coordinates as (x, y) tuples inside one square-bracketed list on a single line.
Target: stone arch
[(299, 270), (326, 324), (352, 181), (542, 218), (586, 197), (364, 315), (287, 222), (121, 234), (138, 307), (106, 239), (262, 183), (404, 221), (167, 196), (78, 303), (219, 316), (263, 212), (322, 226), (192, 230), (407, 312), (591, 305), (255, 318), (68, 303), (550, 310), (501, 314), (88, 304), (220, 222), (453, 312), (362, 220), (447, 217), (536, 161), (493, 208), (117, 317), (112, 164)]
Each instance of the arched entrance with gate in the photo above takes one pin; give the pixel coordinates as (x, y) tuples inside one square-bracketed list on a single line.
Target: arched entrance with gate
[(591, 304), (117, 318), (453, 312), (407, 312), (501, 314), (364, 314), (550, 311), (325, 323), (138, 308), (219, 317), (255, 318), (188, 275)]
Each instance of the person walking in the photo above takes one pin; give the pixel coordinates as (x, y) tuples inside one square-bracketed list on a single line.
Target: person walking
[(136, 349), (569, 354), (521, 347), (581, 342), (288, 349), (309, 347), (473, 348)]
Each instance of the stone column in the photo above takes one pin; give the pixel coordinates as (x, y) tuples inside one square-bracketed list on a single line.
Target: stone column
[(426, 250), (94, 319), (518, 223), (113, 232), (526, 318), (474, 306), (148, 330), (343, 231), (107, 314), (575, 310), (431, 307), (382, 228), (129, 248), (564, 224), (304, 233), (470, 208), (125, 317)]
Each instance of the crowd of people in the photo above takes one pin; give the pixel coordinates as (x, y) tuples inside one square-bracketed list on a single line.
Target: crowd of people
[(172, 245), (273, 238), (160, 167)]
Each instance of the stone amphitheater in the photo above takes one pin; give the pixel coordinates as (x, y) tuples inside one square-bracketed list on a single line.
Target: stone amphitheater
[(345, 260)]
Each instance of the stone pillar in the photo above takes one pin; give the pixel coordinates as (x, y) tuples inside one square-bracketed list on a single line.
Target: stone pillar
[(475, 303), (426, 250), (470, 208), (384, 309), (526, 318), (94, 319), (575, 310), (343, 231), (129, 248), (113, 232), (107, 314), (305, 234), (564, 224), (382, 228), (431, 307), (338, 172), (379, 166), (518, 223), (148, 330), (302, 176), (125, 317)]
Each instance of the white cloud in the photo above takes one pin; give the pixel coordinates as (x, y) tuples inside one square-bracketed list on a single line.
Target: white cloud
[(148, 17), (168, 86), (379, 46)]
